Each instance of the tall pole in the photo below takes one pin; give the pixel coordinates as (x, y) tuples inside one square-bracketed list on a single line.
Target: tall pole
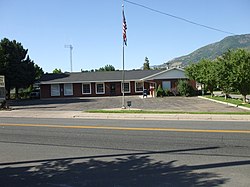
[(70, 54), (123, 78), (123, 73)]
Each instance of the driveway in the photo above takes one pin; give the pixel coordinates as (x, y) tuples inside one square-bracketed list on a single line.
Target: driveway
[(81, 104)]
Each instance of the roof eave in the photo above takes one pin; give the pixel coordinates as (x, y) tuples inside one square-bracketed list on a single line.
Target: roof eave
[(89, 81), (148, 77)]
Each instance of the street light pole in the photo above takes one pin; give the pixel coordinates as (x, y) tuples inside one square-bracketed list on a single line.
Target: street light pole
[(70, 49)]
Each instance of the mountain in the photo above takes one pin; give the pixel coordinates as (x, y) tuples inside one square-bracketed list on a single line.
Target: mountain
[(210, 51)]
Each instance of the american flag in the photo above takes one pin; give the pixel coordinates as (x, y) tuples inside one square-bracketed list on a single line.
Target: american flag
[(124, 29)]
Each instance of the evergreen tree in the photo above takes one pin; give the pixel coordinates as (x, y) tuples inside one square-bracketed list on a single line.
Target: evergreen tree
[(19, 70), (146, 64)]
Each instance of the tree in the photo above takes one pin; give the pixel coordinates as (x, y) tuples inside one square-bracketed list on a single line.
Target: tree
[(146, 64), (192, 71), (19, 70), (230, 71), (57, 71), (38, 72), (204, 72), (240, 59), (107, 67), (225, 73), (184, 88)]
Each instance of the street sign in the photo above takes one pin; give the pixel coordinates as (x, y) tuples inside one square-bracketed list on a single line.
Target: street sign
[(2, 88)]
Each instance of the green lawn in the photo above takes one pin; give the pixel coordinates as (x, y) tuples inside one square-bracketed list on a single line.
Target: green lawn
[(229, 100)]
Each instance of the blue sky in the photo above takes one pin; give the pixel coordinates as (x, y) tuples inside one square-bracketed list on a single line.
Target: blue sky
[(94, 28)]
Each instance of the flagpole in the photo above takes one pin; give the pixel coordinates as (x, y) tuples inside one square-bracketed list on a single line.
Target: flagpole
[(123, 79), (123, 73)]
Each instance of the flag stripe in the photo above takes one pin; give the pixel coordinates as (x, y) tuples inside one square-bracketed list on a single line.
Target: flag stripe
[(124, 29)]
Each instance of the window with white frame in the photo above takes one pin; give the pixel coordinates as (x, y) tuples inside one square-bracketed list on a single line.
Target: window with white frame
[(126, 87), (100, 88), (139, 86), (86, 88), (68, 89), (55, 90)]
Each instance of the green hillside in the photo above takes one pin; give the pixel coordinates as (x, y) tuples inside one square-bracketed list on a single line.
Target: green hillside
[(211, 51)]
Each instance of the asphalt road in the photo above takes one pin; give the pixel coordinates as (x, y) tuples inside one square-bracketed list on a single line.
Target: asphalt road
[(74, 152)]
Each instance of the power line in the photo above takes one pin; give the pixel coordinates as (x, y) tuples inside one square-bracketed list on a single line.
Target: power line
[(177, 17)]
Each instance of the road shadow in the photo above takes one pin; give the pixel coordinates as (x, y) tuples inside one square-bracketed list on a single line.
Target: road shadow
[(137, 153), (131, 170)]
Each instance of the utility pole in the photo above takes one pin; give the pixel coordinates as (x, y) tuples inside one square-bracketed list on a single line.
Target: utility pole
[(70, 49)]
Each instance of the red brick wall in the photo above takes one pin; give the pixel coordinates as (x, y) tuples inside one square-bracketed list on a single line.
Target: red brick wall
[(193, 84), (118, 88), (146, 85), (132, 87), (45, 91), (77, 89), (108, 86)]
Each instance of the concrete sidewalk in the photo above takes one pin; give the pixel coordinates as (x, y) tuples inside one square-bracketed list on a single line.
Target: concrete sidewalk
[(125, 116)]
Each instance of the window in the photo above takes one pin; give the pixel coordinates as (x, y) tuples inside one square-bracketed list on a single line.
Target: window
[(68, 89), (86, 88), (126, 87), (100, 88), (166, 85), (139, 86), (55, 90)]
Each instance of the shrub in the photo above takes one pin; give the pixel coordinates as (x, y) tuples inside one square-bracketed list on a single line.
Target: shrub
[(185, 89), (159, 91), (167, 92)]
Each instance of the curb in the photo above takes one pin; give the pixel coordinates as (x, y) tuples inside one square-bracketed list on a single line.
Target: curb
[(129, 117), (189, 117)]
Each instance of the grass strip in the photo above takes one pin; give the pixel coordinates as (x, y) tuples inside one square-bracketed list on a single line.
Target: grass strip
[(229, 100), (126, 111)]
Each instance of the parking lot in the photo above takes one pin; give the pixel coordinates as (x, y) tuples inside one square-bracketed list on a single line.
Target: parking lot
[(81, 104)]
